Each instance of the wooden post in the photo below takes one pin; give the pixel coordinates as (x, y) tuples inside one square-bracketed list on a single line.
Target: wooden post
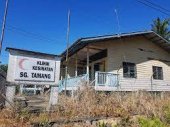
[(21, 88), (76, 66), (87, 67), (96, 79), (35, 88), (92, 72), (162, 95)]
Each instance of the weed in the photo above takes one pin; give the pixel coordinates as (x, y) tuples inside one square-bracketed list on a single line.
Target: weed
[(148, 122), (101, 124), (44, 120), (23, 115), (166, 110), (88, 104)]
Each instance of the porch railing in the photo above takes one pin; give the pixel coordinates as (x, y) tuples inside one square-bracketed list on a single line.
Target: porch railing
[(72, 83), (106, 79)]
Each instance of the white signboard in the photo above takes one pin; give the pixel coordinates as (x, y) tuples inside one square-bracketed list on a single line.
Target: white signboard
[(27, 67), (34, 69)]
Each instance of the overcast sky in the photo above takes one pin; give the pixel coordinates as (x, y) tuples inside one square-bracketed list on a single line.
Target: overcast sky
[(41, 25)]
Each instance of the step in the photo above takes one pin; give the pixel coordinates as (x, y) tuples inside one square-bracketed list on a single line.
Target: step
[(38, 104), (36, 101), (35, 109), (35, 97)]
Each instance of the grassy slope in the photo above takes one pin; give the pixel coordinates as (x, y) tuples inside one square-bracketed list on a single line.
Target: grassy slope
[(133, 109)]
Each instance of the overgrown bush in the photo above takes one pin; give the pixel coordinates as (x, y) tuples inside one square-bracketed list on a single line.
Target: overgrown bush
[(166, 111), (88, 103), (148, 122)]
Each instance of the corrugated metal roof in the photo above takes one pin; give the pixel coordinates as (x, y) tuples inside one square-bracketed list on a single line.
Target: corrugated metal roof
[(154, 37), (31, 52)]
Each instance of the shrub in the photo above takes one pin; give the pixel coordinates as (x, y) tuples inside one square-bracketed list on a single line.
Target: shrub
[(147, 122), (44, 120), (102, 124), (125, 122), (166, 110)]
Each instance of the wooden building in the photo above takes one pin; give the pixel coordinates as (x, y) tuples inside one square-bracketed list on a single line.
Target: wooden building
[(125, 62)]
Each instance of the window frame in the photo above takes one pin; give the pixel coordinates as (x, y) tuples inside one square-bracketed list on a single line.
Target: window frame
[(159, 73), (130, 67)]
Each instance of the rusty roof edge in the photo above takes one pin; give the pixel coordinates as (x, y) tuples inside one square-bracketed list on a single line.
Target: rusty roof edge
[(8, 49)]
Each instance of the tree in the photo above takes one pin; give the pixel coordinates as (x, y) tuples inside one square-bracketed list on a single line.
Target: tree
[(161, 27)]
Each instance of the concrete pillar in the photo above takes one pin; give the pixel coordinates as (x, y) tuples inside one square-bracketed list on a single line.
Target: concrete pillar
[(10, 94), (53, 97)]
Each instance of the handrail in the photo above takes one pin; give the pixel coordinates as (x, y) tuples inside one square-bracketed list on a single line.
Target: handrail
[(72, 82), (106, 79)]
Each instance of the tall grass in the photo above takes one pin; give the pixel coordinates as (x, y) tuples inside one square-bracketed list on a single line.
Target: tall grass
[(89, 103)]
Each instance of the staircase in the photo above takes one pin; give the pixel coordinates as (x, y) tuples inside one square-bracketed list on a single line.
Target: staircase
[(34, 104)]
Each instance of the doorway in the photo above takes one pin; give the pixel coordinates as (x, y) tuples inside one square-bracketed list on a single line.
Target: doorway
[(98, 66)]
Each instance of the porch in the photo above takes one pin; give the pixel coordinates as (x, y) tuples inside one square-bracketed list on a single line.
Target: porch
[(104, 81), (87, 63)]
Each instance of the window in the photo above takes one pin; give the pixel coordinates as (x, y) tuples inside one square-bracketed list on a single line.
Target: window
[(157, 72), (129, 70)]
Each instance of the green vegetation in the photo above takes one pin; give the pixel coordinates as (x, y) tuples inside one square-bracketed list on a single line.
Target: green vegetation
[(166, 112), (147, 122), (102, 124), (44, 120), (162, 27)]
